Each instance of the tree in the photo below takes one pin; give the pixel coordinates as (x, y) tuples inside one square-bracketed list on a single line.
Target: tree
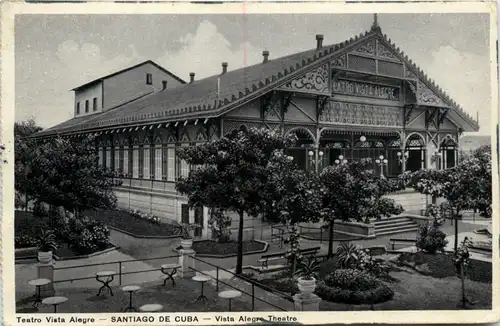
[(465, 186), (65, 174), (351, 191), (23, 152), (295, 196), (230, 174)]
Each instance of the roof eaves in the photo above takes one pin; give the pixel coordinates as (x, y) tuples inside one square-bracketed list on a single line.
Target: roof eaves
[(430, 83)]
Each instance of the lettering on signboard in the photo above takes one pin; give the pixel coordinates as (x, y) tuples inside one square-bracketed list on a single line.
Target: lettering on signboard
[(367, 90)]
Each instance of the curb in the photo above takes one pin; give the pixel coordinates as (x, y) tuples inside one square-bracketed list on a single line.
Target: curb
[(266, 247)]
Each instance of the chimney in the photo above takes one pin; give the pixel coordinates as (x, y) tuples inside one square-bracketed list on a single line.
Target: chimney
[(265, 54), (164, 85), (319, 41), (191, 75), (224, 67)]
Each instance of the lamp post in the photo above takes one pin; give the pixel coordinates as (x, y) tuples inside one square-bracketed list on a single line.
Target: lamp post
[(436, 157), (402, 158), (316, 161), (382, 162), (341, 160)]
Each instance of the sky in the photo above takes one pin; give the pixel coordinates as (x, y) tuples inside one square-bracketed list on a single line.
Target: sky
[(55, 53)]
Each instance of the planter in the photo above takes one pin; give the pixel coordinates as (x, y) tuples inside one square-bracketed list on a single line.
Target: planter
[(45, 257), (306, 287), (186, 243)]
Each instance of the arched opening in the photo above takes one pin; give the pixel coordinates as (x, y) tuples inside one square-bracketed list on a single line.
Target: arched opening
[(448, 149), (415, 147), (303, 145)]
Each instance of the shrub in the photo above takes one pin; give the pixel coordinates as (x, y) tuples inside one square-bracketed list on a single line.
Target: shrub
[(87, 236), (431, 239), (347, 255), (373, 266), (46, 240), (327, 266), (307, 268), (25, 241), (353, 286), (220, 225)]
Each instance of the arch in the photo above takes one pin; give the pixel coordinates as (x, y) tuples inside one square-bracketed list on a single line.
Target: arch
[(448, 140), (307, 131), (417, 134)]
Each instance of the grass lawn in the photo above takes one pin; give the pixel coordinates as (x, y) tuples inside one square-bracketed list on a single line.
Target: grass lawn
[(124, 221), (210, 247)]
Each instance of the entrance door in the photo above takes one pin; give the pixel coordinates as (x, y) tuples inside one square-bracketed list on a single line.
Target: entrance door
[(414, 162), (198, 219)]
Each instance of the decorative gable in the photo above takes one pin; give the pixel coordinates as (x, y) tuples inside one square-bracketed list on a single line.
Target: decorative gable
[(185, 136), (116, 142), (201, 134), (425, 96), (367, 48), (147, 140), (316, 81), (384, 52), (158, 140)]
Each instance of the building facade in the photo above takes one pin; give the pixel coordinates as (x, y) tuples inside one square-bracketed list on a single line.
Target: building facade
[(355, 99)]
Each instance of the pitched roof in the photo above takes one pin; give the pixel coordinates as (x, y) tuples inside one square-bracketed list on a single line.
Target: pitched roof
[(127, 69), (217, 94)]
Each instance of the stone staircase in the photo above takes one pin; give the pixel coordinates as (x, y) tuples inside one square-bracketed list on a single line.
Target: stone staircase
[(395, 224)]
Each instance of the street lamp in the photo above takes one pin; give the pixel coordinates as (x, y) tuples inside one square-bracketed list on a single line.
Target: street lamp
[(341, 160), (381, 161), (313, 160), (403, 157), (362, 138), (436, 156)]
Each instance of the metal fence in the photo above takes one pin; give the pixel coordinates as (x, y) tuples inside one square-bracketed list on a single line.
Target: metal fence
[(246, 286), (118, 265)]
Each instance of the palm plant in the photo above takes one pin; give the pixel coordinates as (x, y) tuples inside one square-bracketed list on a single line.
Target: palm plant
[(347, 254), (306, 268), (46, 241)]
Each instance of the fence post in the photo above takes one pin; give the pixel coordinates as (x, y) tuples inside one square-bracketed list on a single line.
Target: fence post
[(217, 281), (253, 297), (120, 273)]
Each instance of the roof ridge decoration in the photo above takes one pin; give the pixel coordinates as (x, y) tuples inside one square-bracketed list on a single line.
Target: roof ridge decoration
[(430, 85)]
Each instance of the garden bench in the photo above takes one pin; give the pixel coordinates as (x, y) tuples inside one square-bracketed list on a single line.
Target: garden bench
[(264, 260), (393, 242)]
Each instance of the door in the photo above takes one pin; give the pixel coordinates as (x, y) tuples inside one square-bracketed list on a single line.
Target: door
[(414, 162)]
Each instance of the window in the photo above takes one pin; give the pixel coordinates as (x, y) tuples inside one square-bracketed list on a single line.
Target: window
[(87, 106), (171, 163), (184, 213), (146, 162), (135, 162), (100, 152), (78, 108), (158, 163), (94, 104), (108, 158), (118, 159), (149, 79), (121, 160), (125, 162)]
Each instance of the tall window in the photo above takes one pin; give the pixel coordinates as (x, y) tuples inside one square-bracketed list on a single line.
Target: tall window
[(158, 163), (86, 106), (184, 213), (135, 162), (78, 108), (94, 104), (149, 79), (147, 161), (171, 163), (100, 153), (108, 157), (124, 163), (118, 159)]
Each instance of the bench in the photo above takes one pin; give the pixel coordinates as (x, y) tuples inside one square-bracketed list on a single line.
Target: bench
[(264, 260), (393, 242)]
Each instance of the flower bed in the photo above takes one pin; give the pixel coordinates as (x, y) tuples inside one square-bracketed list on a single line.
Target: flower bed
[(74, 237), (353, 286), (211, 248), (441, 265), (135, 224)]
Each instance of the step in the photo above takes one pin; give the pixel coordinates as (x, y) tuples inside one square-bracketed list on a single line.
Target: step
[(402, 223), (398, 220), (394, 231)]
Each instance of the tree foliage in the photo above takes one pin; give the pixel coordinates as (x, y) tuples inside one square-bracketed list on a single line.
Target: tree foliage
[(231, 173), (63, 173)]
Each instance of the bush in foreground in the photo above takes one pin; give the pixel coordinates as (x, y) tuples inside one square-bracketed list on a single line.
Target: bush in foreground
[(353, 286), (431, 239)]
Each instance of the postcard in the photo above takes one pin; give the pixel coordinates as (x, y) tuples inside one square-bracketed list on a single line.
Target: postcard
[(241, 163)]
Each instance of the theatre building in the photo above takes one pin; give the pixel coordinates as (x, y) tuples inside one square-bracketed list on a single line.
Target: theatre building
[(359, 98)]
